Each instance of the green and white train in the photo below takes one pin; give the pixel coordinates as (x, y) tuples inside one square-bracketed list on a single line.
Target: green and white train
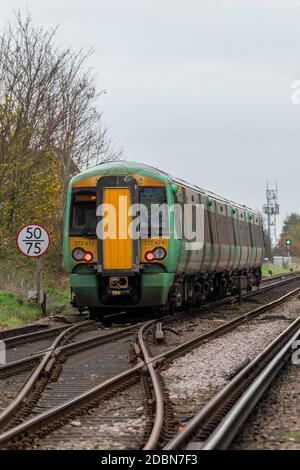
[(160, 271)]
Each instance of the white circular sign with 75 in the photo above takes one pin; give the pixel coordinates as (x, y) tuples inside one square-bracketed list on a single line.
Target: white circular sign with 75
[(33, 240)]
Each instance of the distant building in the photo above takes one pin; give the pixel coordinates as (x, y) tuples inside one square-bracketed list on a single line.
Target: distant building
[(282, 261)]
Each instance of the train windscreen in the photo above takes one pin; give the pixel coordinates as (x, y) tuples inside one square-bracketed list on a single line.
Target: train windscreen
[(83, 214), (154, 217)]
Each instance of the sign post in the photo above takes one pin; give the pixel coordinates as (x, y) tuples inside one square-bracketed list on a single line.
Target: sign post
[(38, 280), (33, 241)]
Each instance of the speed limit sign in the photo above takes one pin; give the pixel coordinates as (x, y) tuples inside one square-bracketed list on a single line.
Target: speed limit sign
[(33, 240)]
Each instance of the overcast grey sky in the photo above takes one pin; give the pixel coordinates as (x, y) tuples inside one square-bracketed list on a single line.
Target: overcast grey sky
[(201, 89)]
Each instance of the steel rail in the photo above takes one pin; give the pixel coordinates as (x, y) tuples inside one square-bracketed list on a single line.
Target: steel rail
[(86, 399), (219, 330), (38, 371), (152, 363), (280, 276), (68, 349), (157, 427), (207, 307), (284, 280), (52, 354), (270, 360), (10, 332), (33, 336), (9, 368), (226, 432), (33, 424)]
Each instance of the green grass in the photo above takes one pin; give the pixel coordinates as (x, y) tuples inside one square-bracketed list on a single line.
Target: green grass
[(14, 311), (57, 297), (17, 276), (275, 270), (294, 436)]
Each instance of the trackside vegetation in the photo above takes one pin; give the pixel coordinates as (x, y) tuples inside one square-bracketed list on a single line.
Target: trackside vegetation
[(50, 129), (17, 276)]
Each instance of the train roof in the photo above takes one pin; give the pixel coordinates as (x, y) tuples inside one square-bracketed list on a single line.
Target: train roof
[(124, 166)]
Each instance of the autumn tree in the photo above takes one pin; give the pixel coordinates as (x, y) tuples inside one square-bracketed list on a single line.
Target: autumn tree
[(50, 124), (291, 222), (291, 230)]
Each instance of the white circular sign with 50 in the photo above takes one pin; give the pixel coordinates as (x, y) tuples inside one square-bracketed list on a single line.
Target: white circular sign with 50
[(33, 240)]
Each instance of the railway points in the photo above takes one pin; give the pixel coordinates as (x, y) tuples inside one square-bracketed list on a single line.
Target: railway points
[(141, 380)]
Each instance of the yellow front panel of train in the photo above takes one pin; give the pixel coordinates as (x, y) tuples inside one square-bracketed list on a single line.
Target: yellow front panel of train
[(117, 245)]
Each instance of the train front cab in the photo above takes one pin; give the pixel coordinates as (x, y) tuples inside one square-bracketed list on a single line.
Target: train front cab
[(123, 270)]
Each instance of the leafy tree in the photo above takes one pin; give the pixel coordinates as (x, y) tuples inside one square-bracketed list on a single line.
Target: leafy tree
[(50, 126), (290, 221), (291, 230)]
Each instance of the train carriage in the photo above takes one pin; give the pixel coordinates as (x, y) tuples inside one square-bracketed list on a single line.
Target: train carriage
[(157, 270)]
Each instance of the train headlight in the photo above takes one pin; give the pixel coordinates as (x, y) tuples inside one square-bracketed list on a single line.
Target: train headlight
[(88, 257), (159, 253), (149, 256), (78, 254)]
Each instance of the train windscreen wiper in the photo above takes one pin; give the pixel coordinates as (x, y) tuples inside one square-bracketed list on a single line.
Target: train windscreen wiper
[(88, 232)]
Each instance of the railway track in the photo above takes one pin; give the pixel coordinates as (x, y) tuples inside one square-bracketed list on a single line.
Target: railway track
[(10, 332), (25, 350), (19, 405), (279, 276), (21, 335), (142, 378), (215, 426), (163, 419)]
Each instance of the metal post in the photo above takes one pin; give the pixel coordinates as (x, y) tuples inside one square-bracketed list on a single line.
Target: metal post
[(40, 294), (38, 279)]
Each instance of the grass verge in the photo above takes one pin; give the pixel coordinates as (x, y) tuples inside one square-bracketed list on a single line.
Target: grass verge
[(17, 276), (14, 311), (267, 268)]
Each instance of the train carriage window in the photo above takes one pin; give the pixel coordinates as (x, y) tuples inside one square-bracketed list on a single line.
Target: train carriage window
[(155, 201), (220, 229), (213, 220), (242, 235), (237, 231), (207, 236), (254, 234), (194, 211), (261, 241), (228, 230), (257, 235), (224, 228), (230, 227), (245, 232), (83, 214)]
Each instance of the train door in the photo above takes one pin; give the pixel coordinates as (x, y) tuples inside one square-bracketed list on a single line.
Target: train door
[(118, 250)]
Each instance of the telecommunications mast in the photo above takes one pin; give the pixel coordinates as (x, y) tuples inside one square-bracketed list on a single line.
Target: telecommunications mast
[(271, 209)]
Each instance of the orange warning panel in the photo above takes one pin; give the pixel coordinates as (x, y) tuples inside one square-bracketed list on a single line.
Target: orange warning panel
[(117, 244)]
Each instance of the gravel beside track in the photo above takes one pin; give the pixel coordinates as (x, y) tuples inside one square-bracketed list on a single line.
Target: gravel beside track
[(197, 376), (9, 388), (191, 380), (28, 349), (117, 424), (85, 370), (195, 324), (274, 424)]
